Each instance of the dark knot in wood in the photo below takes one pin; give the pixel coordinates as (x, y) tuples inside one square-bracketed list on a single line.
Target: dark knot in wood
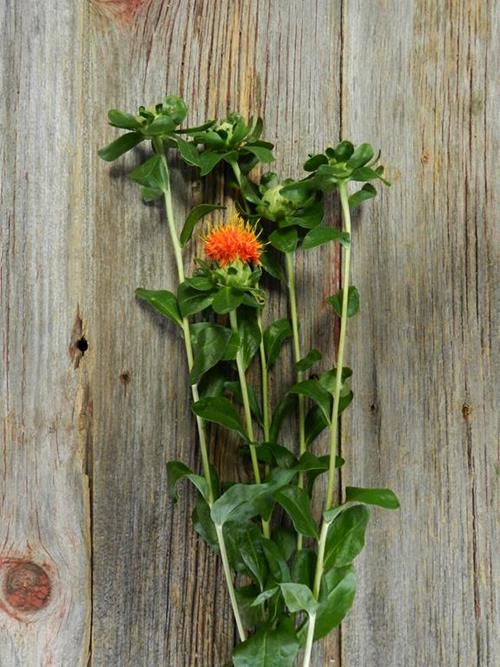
[(27, 587)]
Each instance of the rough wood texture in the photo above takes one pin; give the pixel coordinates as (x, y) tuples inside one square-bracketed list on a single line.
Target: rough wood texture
[(415, 78)]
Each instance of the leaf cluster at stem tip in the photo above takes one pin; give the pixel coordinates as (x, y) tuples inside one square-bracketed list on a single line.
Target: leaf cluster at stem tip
[(296, 565)]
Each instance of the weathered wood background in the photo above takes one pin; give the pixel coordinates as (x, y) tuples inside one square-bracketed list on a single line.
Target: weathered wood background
[(86, 432)]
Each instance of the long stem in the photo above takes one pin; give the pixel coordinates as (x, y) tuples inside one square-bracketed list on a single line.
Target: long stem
[(265, 405), (292, 297), (346, 215), (233, 318), (202, 436)]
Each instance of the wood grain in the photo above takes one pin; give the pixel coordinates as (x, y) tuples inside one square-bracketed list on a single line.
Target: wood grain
[(425, 422), (415, 78), (44, 400)]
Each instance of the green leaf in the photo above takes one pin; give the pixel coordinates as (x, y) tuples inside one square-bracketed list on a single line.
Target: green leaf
[(162, 301), (151, 174), (320, 235), (277, 565), (265, 595), (296, 503), (281, 411), (263, 154), (194, 217), (120, 146), (250, 336), (299, 597), (203, 524), (211, 344), (219, 410), (212, 383), (314, 162), (316, 422), (313, 389), (191, 301), (335, 301), (272, 452), (304, 566), (226, 300), (366, 192), (252, 616), (235, 388), (309, 461), (125, 121), (272, 265), (342, 151), (285, 540), (362, 154), (346, 537), (246, 539), (381, 497), (308, 361), (198, 129), (274, 337), (208, 161), (161, 125), (268, 648), (188, 151), (336, 600), (176, 471), (284, 240), (239, 503)]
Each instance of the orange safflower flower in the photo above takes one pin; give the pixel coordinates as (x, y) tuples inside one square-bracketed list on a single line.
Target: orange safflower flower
[(233, 241)]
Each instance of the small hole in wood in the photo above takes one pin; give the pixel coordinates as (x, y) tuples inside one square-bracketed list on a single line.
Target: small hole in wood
[(82, 345)]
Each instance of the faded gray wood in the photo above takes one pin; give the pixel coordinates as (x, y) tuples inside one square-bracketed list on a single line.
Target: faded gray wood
[(414, 78), (45, 603), (422, 87)]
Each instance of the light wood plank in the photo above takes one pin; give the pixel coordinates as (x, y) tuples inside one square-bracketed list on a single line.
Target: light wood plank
[(419, 82), (44, 509), (158, 598)]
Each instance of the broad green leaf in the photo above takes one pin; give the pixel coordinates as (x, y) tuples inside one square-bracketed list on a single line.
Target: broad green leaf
[(176, 471), (309, 461), (239, 503), (123, 120), (188, 151), (335, 301), (366, 192), (342, 151), (281, 411), (284, 239), (150, 174), (263, 154), (362, 154), (211, 344), (268, 648), (162, 301), (221, 411), (246, 538), (304, 566), (208, 161), (192, 301), (120, 146), (316, 422), (381, 497), (272, 265), (272, 452), (250, 336), (274, 337), (203, 524), (277, 564), (313, 389), (296, 503), (314, 162), (322, 465), (235, 388), (252, 616), (161, 125), (212, 383), (346, 537), (320, 235), (299, 597), (194, 217), (265, 595), (196, 130), (226, 300), (308, 361), (328, 380), (285, 540), (339, 589), (201, 283)]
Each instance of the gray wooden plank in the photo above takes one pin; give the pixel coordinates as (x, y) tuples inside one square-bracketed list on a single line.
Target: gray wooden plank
[(44, 528), (419, 82), (158, 594)]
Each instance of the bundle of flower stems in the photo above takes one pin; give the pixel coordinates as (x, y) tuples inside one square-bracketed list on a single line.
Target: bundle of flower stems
[(288, 569)]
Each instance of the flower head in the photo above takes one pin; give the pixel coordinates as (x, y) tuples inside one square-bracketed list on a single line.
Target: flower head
[(236, 240)]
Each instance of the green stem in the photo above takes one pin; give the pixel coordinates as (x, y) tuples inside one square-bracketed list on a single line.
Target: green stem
[(346, 216), (265, 403), (233, 318), (202, 436), (239, 178), (292, 297)]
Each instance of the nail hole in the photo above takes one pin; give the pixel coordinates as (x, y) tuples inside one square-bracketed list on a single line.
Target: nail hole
[(82, 345), (125, 377)]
